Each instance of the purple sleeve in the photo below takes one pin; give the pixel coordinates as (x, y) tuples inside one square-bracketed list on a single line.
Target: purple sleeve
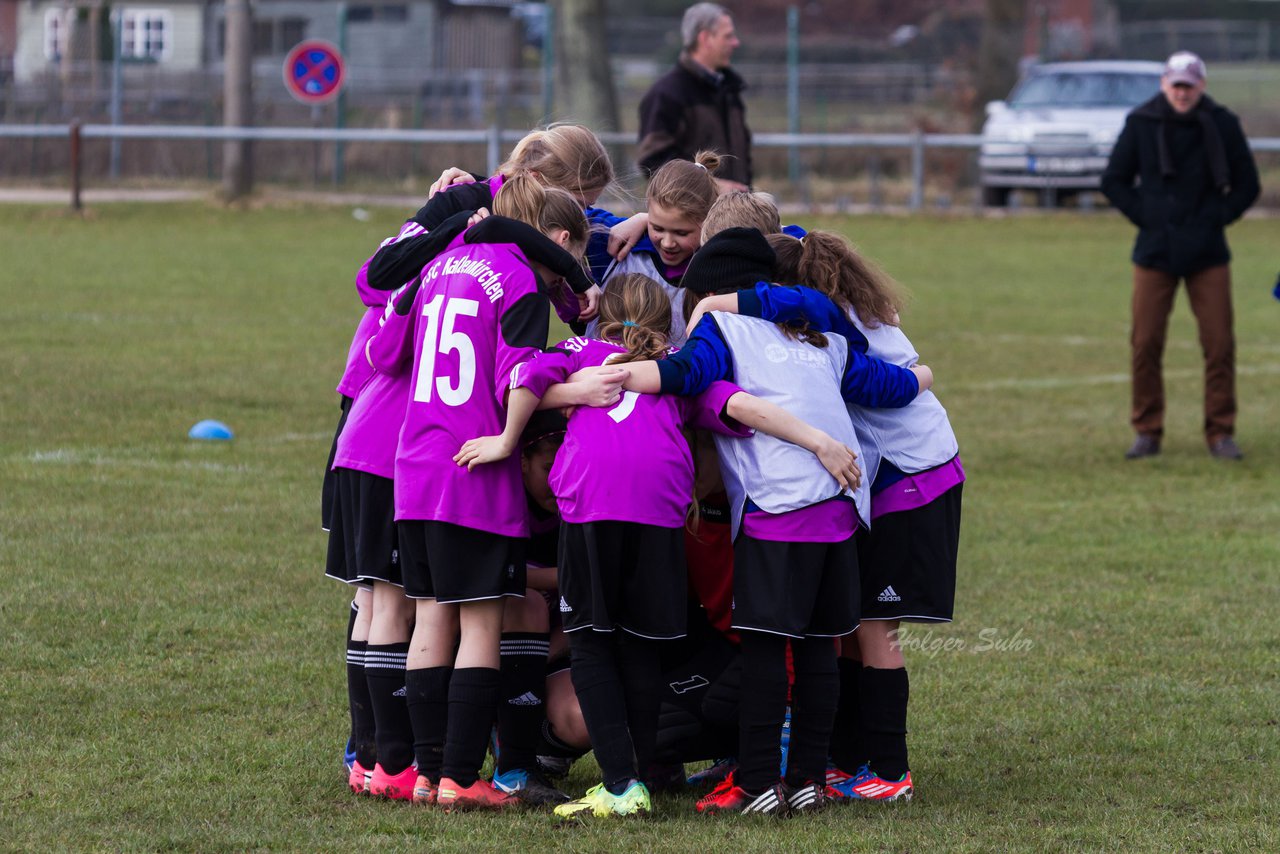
[(545, 370), (390, 350), (706, 411)]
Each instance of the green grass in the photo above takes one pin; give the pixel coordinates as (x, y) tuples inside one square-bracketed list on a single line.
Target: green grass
[(173, 673)]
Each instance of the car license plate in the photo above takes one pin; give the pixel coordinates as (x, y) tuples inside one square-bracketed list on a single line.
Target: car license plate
[(1055, 165)]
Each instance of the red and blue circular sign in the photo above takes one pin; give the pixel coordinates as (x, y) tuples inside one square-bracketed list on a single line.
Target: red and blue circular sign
[(313, 72)]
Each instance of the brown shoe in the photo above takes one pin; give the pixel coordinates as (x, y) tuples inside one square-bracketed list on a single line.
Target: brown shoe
[(1226, 449), (1143, 446)]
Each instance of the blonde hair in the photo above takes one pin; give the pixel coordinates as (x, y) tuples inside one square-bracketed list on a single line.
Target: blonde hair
[(687, 186), (548, 209), (831, 264), (742, 209), (570, 157), (636, 313)]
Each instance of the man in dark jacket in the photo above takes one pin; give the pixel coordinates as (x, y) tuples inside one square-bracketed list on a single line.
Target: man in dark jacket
[(698, 104), (1194, 176)]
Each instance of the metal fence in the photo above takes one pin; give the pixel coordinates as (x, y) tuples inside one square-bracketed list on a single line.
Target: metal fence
[(914, 147)]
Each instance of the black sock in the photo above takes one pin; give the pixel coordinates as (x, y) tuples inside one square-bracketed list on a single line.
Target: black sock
[(384, 671), (847, 751), (884, 695), (813, 710), (641, 672), (764, 702), (473, 700), (427, 696), (598, 685), (361, 705), (522, 700)]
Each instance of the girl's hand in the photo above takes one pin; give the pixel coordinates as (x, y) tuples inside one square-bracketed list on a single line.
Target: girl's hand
[(449, 177), (924, 376), (840, 461), (716, 302), (485, 449), (626, 234), (603, 387), (589, 303), (481, 213)]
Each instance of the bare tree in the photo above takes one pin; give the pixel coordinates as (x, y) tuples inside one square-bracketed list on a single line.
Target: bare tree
[(237, 159), (584, 76), (999, 51)]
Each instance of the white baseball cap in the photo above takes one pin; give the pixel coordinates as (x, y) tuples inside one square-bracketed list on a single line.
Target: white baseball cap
[(1185, 67)]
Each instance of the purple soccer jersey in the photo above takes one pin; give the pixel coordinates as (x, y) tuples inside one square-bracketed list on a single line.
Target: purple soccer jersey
[(477, 316), (357, 371), (369, 439), (629, 462)]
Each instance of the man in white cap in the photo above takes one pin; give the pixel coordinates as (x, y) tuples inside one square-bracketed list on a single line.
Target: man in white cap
[(1181, 171)]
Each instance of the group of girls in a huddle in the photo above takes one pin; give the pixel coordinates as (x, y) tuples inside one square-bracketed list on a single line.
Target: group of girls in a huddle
[(445, 490)]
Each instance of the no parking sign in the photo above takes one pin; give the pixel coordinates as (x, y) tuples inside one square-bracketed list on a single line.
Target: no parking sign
[(313, 72)]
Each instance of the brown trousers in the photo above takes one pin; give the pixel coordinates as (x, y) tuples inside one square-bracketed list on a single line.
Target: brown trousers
[(1209, 292)]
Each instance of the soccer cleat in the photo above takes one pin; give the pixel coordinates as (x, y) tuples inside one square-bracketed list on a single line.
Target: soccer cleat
[(713, 775), (600, 802), (728, 797), (348, 757), (530, 787), (480, 795), (810, 797), (866, 786), (555, 766), (397, 787), (424, 791), (358, 778), (835, 775)]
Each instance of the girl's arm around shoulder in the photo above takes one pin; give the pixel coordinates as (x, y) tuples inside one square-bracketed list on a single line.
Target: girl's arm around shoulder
[(711, 410), (877, 384), (521, 403), (769, 418)]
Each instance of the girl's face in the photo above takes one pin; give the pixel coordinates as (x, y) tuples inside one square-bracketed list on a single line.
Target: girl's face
[(675, 235), (536, 469)]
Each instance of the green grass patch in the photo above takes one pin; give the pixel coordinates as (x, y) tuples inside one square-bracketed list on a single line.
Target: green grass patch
[(173, 676)]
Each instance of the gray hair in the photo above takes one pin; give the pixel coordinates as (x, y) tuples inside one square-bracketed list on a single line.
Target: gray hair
[(699, 18)]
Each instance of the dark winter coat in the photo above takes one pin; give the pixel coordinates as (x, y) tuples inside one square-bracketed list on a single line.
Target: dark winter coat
[(1195, 176), (690, 109)]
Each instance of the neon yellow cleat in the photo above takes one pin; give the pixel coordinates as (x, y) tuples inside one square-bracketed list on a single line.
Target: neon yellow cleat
[(600, 802)]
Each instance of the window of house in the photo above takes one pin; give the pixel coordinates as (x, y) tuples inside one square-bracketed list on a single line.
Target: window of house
[(146, 34), (55, 34), (386, 13)]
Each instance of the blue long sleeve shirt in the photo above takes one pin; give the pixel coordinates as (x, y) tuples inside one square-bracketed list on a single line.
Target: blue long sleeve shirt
[(706, 357)]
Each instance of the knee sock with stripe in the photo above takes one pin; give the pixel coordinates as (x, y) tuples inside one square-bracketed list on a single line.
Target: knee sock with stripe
[(385, 673)]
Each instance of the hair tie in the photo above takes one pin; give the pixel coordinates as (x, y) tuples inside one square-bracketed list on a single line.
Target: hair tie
[(700, 166), (628, 323)]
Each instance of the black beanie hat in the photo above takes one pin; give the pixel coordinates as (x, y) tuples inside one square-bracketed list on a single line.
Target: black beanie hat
[(734, 259), (543, 424)]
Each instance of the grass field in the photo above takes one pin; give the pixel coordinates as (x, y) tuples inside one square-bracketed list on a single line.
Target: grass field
[(173, 677)]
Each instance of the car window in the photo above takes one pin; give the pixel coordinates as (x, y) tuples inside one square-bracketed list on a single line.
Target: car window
[(1085, 89)]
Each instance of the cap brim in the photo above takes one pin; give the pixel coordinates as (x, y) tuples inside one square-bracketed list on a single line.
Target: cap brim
[(1176, 77)]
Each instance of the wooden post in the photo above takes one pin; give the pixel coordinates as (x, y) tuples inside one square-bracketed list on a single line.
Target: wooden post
[(237, 161), (75, 165)]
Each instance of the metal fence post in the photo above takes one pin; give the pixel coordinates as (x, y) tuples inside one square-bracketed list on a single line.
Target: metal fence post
[(917, 170), (74, 130), (494, 148)]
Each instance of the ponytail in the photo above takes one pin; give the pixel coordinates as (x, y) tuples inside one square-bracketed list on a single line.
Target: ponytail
[(636, 313)]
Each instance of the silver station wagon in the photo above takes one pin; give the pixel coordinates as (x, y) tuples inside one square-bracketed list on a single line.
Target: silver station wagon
[(1056, 130)]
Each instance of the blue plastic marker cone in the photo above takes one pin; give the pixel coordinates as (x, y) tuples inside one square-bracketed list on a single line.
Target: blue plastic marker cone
[(210, 429)]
